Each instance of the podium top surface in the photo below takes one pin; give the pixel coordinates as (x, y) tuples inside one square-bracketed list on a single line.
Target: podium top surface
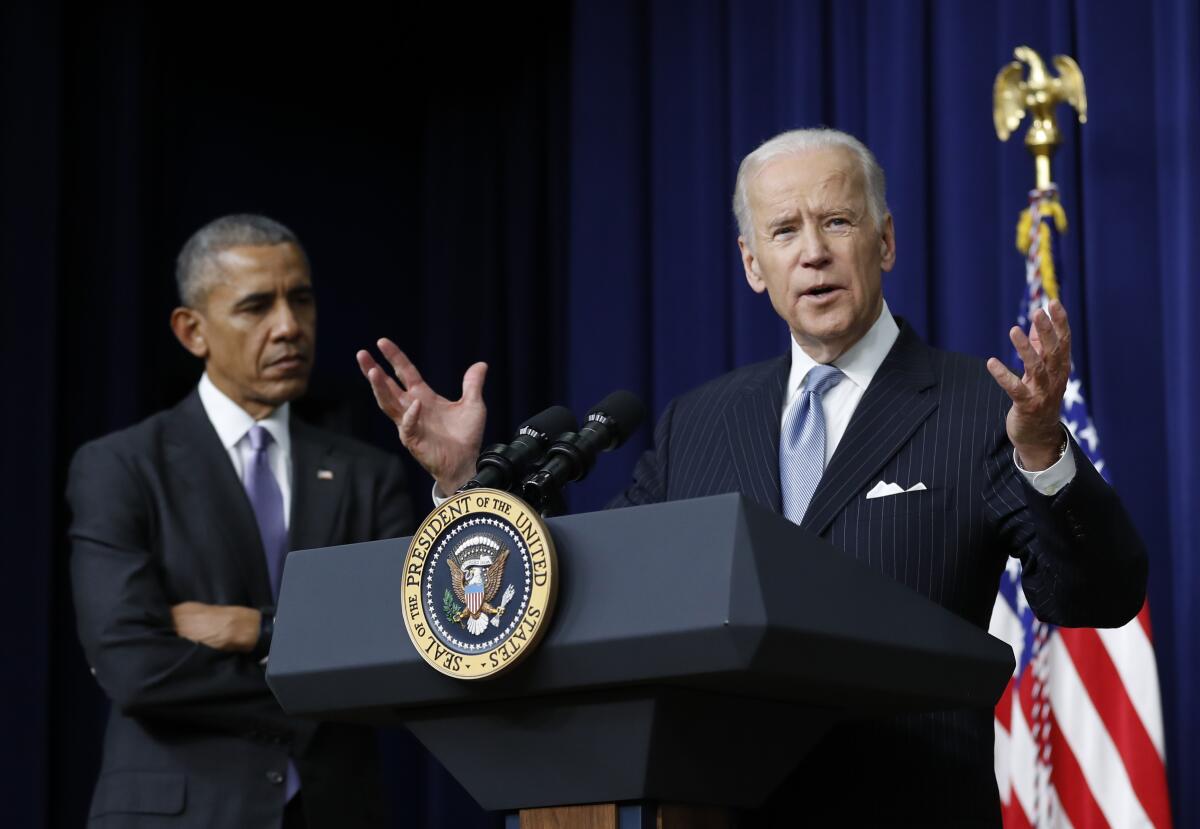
[(714, 594)]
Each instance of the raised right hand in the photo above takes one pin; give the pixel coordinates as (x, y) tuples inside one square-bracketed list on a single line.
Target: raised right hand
[(443, 436)]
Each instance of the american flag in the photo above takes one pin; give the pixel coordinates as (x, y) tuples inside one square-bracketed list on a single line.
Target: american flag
[(1079, 734)]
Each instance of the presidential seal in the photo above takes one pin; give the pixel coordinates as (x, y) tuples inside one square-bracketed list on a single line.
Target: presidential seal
[(480, 580)]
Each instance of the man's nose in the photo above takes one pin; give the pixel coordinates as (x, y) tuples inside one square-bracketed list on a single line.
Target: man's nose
[(814, 250), (284, 323)]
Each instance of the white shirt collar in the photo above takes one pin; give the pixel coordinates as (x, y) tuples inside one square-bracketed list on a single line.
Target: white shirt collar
[(232, 422), (861, 360)]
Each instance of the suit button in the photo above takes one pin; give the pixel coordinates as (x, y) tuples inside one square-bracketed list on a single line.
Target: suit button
[(275, 777)]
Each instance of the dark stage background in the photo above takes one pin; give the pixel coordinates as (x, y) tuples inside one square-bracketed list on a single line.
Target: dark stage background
[(546, 188)]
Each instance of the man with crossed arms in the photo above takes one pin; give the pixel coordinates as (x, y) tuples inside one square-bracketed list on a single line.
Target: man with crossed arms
[(179, 531)]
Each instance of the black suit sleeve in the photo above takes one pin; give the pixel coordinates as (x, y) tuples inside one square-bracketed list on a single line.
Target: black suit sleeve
[(1083, 564), (650, 474), (393, 511), (124, 614)]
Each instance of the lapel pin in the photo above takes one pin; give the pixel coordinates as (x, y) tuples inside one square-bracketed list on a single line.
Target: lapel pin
[(324, 474)]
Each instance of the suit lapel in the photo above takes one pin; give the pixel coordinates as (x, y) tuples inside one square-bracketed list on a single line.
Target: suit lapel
[(197, 456), (318, 482), (898, 400), (752, 422)]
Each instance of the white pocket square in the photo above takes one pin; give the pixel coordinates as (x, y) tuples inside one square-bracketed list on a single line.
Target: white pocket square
[(882, 489)]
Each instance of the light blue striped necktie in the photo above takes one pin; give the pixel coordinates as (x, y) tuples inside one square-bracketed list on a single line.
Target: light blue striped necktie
[(802, 443)]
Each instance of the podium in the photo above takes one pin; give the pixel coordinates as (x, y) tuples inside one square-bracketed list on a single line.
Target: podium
[(679, 627)]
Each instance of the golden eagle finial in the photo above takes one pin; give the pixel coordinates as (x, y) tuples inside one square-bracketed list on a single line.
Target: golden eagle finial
[(1038, 95)]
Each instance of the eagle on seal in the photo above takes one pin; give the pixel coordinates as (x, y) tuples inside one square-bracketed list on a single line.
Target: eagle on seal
[(476, 572)]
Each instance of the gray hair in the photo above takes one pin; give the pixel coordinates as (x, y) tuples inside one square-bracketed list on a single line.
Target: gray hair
[(798, 141), (194, 267)]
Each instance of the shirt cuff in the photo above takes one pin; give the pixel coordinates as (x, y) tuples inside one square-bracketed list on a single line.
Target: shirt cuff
[(1050, 481), (438, 498)]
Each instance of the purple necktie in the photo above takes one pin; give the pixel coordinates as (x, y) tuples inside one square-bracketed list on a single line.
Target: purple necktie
[(267, 501)]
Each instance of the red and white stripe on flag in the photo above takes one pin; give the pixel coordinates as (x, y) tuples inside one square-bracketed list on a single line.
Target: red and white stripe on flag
[(1079, 736)]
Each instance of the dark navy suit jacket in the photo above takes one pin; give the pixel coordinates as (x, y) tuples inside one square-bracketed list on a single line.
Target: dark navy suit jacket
[(195, 737), (928, 417)]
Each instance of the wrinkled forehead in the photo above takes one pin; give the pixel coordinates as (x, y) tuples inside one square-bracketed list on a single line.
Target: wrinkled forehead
[(817, 178), (283, 258), (252, 268)]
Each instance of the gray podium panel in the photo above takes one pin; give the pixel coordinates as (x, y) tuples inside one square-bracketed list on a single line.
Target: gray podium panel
[(697, 649)]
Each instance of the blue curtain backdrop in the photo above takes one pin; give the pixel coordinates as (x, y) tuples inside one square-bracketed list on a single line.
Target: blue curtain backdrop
[(666, 98), (556, 201)]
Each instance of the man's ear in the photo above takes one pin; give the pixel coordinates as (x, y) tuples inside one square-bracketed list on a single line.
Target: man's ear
[(887, 244), (188, 326), (750, 265)]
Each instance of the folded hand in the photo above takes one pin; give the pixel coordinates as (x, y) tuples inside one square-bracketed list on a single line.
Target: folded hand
[(223, 627)]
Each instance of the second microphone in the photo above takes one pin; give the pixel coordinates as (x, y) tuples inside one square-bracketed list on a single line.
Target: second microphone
[(504, 465)]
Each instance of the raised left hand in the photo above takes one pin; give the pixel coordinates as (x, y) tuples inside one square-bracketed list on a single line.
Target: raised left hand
[(223, 627), (1034, 425), (443, 435)]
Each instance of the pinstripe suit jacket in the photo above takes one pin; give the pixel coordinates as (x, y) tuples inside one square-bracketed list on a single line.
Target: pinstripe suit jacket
[(936, 418)]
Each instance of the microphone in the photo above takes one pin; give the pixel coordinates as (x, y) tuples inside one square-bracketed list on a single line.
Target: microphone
[(609, 423), (502, 465)]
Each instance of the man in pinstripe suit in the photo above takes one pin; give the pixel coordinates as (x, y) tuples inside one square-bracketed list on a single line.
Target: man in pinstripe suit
[(934, 473)]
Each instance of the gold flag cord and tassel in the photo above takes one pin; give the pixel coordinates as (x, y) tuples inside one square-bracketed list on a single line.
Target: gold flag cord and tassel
[(1039, 252)]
